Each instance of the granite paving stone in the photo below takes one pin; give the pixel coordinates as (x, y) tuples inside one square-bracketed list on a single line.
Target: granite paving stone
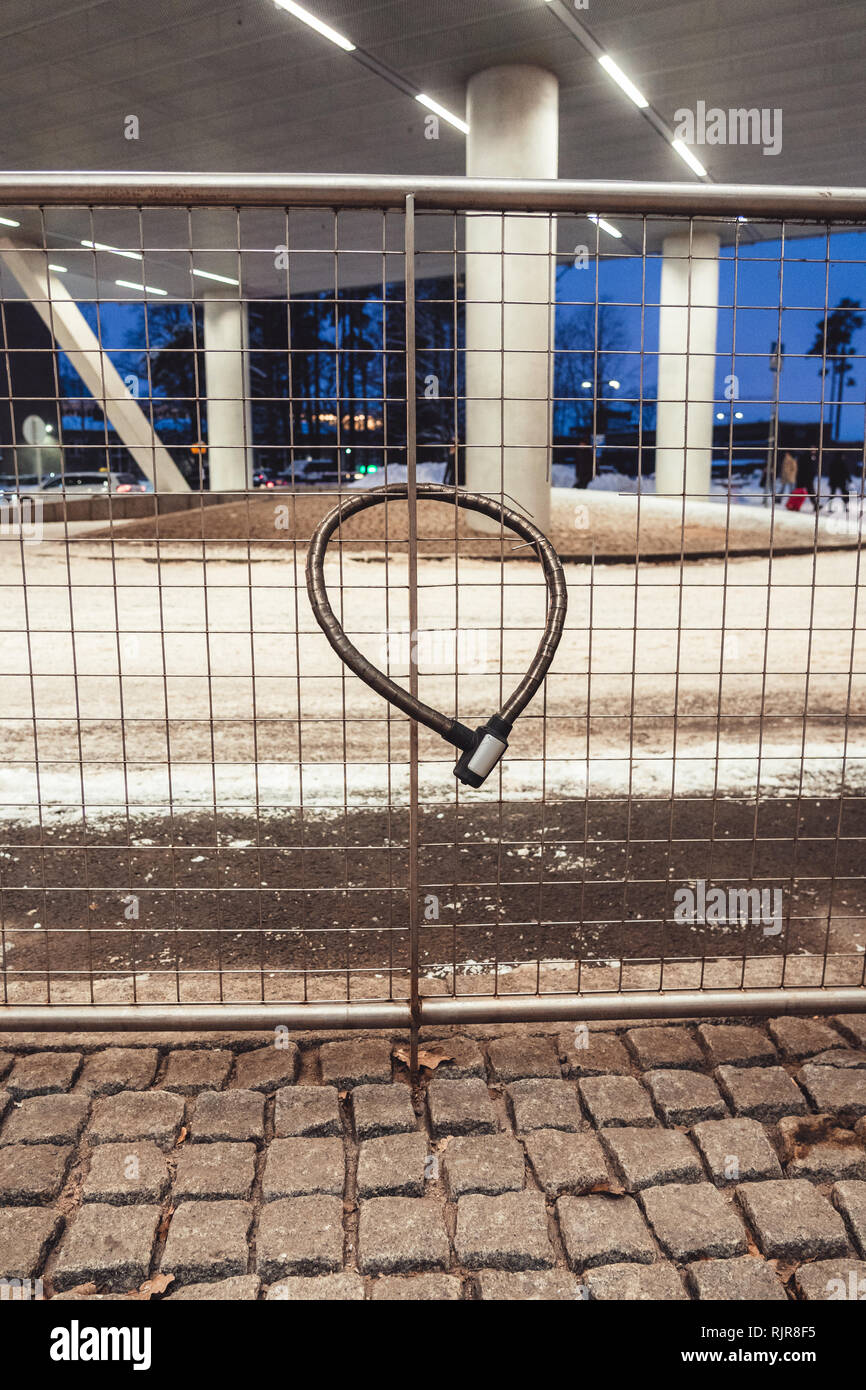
[(116, 1069), (300, 1235), (124, 1173), (131, 1115), (746, 1279), (356, 1062), (737, 1045), (544, 1104), (761, 1093), (693, 1221), (55, 1119), (394, 1165), (841, 1279), (106, 1244), (648, 1157), (514, 1058), (849, 1198), (212, 1171), (380, 1110), (527, 1286), (565, 1162), (42, 1073), (824, 1163), (240, 1288), (26, 1236), (657, 1283), (312, 1111), (599, 1230), (685, 1097), (852, 1027), (841, 1092), (397, 1235), (303, 1167), (426, 1288), (613, 1101), (193, 1070), (594, 1054), (207, 1241), (346, 1287), (267, 1069), (666, 1048), (792, 1220), (228, 1115), (487, 1163), (736, 1151), (504, 1232), (460, 1107), (466, 1056), (32, 1174), (798, 1038)]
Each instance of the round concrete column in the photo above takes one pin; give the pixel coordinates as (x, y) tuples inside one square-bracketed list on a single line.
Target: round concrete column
[(513, 116), (687, 363), (226, 359)]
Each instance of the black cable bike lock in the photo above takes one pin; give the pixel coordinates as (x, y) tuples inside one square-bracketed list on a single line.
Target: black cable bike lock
[(481, 748)]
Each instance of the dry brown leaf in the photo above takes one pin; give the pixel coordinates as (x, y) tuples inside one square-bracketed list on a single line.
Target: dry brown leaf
[(608, 1189), (158, 1284), (183, 1133), (429, 1057), (80, 1290), (753, 1249)]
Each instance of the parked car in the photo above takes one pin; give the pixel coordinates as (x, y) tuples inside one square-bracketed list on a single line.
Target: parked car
[(93, 484), (316, 472)]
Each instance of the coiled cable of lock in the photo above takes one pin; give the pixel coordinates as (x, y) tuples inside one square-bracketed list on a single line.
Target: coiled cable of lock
[(481, 748)]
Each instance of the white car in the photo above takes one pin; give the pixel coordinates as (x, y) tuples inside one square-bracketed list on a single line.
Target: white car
[(89, 484)]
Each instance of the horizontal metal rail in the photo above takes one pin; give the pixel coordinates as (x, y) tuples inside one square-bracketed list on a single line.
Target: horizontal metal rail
[(434, 1012), (449, 194)]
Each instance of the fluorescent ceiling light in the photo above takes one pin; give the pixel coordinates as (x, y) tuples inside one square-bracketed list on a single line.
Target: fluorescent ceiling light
[(605, 226), (101, 246), (131, 285), (693, 162), (210, 275), (441, 111), (9, 222), (61, 269), (621, 80), (319, 25)]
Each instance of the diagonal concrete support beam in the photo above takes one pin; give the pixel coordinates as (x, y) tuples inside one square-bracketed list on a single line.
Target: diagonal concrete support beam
[(72, 333)]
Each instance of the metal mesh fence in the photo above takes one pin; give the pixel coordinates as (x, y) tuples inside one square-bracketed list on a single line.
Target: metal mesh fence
[(201, 807)]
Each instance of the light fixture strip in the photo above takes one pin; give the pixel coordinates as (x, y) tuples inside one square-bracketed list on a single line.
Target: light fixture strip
[(590, 43), (373, 64), (146, 289)]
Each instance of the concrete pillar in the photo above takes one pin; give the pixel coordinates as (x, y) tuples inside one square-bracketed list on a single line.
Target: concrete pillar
[(227, 385), (513, 117), (687, 363)]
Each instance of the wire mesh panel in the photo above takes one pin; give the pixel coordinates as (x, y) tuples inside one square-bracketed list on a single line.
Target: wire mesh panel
[(201, 805)]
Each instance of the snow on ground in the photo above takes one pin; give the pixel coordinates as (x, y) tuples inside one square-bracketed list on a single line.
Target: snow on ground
[(235, 678)]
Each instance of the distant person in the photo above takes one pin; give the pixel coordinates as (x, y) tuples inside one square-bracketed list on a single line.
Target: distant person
[(807, 469), (838, 479), (583, 464), (788, 474)]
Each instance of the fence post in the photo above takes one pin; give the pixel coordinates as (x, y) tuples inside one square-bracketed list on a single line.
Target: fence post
[(412, 503)]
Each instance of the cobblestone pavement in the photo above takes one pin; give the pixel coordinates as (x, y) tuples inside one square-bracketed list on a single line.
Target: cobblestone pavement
[(705, 1160)]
